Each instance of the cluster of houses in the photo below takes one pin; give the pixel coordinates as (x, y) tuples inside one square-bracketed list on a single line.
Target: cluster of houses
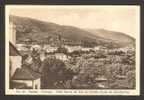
[(125, 49), (49, 49)]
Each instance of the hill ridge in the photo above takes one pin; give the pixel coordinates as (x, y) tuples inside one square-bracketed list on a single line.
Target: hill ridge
[(49, 32)]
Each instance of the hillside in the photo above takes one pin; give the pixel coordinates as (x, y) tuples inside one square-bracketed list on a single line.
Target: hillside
[(46, 32), (117, 37)]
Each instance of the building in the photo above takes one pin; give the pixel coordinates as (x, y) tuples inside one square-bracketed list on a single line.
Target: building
[(49, 48), (12, 35), (20, 77), (73, 48), (15, 59), (27, 76), (86, 49), (22, 47), (36, 47), (61, 56)]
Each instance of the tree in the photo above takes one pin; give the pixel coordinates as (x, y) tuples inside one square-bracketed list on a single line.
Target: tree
[(54, 72)]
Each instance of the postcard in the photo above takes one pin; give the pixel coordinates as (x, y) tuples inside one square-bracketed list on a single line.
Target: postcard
[(72, 50)]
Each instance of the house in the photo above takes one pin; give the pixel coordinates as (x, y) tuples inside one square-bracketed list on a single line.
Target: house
[(100, 79), (21, 77), (36, 47), (27, 76), (15, 59), (86, 49), (73, 48), (97, 48), (61, 56), (22, 47), (49, 48), (12, 35), (42, 56)]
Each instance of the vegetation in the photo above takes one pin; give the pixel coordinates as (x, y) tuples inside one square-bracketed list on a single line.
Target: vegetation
[(90, 71), (55, 73), (119, 71)]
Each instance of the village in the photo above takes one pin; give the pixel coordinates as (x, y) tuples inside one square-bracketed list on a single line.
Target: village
[(44, 66)]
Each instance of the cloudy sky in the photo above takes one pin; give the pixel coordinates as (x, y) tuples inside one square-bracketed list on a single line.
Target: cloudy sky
[(117, 18)]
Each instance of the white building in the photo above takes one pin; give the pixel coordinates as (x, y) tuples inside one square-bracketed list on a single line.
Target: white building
[(15, 59), (73, 48), (21, 47), (49, 48), (36, 47), (97, 48), (86, 49), (12, 33), (61, 56)]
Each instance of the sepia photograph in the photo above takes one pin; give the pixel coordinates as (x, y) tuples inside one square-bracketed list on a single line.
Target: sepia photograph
[(72, 50)]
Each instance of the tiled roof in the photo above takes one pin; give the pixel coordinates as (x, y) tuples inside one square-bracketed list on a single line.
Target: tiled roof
[(25, 73), (12, 50)]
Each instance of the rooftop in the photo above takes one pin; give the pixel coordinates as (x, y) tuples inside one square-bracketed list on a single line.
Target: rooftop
[(13, 51), (25, 73)]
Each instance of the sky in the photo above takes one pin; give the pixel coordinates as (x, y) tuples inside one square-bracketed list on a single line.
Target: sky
[(124, 19)]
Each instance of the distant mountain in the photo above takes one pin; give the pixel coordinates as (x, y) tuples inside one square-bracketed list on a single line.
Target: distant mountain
[(117, 37), (51, 33)]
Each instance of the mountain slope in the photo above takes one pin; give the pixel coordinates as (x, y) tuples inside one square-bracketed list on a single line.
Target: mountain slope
[(52, 33), (116, 37)]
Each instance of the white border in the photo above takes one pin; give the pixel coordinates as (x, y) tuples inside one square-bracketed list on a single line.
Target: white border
[(82, 92)]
